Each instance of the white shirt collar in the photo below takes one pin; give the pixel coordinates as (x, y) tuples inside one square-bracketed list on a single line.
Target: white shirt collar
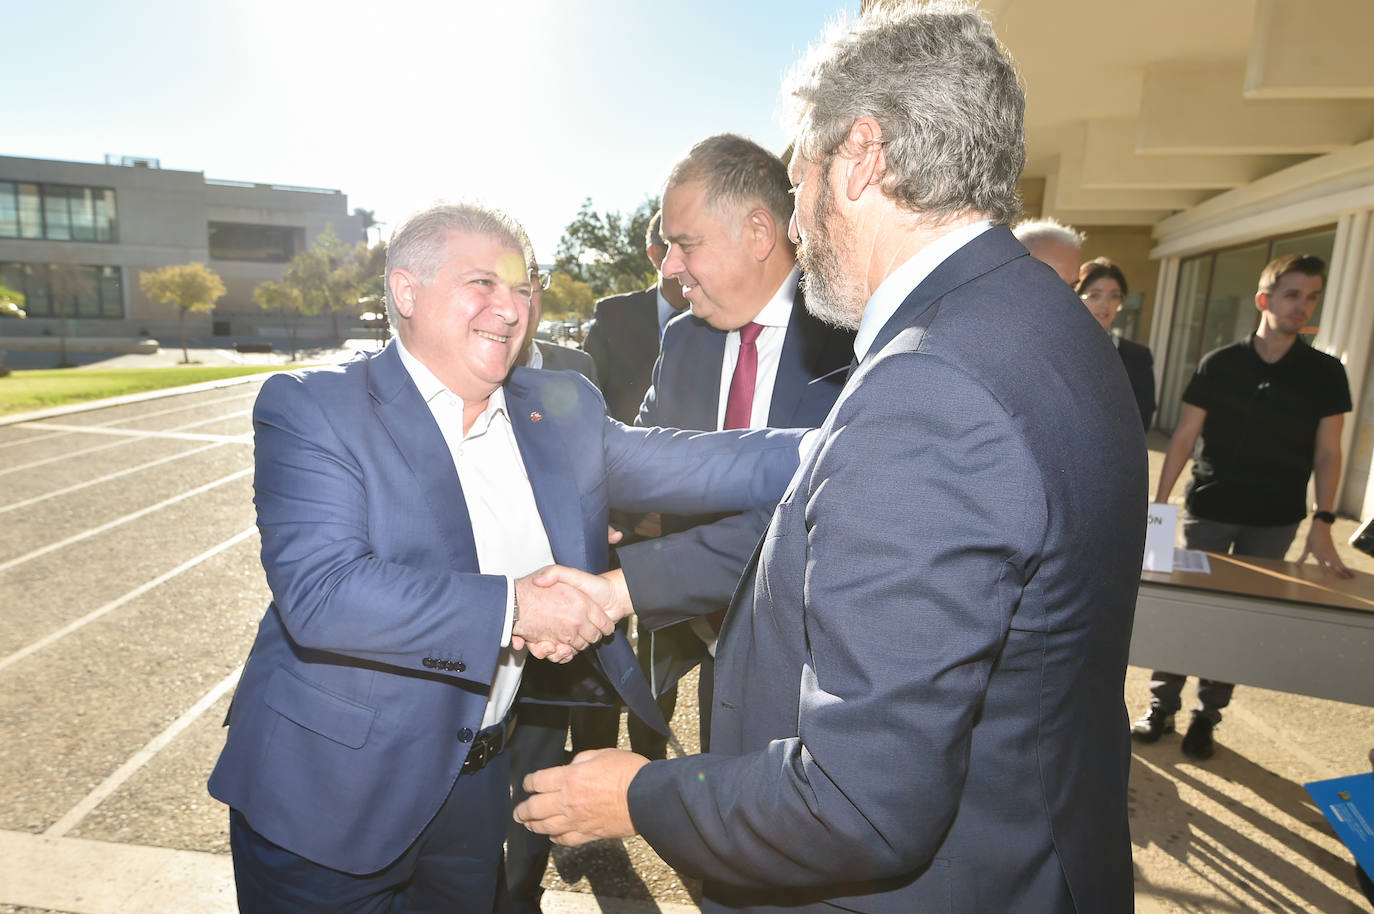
[(778, 311), (888, 297), (431, 387)]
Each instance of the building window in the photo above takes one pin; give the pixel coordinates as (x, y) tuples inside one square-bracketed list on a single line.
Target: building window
[(57, 212), (1215, 305), (257, 243), (66, 289)]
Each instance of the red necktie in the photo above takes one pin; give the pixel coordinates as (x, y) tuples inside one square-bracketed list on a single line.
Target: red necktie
[(739, 405)]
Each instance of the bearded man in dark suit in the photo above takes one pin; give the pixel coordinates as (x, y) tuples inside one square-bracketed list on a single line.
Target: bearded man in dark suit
[(918, 689)]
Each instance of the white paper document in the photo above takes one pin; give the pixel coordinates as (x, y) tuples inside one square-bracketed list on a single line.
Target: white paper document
[(1190, 560), (1159, 538)]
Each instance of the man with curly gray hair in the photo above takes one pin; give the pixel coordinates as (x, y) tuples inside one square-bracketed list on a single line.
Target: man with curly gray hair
[(918, 697)]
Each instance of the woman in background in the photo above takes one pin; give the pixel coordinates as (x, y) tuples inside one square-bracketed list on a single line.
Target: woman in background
[(1102, 287)]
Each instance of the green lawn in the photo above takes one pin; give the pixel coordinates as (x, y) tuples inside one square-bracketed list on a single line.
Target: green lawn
[(23, 391)]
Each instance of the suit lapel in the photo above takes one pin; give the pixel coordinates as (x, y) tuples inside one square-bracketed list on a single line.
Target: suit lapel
[(983, 254), (700, 367), (547, 450), (544, 449), (412, 428), (793, 371)]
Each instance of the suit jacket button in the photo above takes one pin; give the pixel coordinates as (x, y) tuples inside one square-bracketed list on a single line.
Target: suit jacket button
[(429, 663), (459, 666), (465, 735)]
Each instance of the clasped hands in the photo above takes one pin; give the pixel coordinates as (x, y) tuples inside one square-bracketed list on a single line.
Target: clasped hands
[(564, 611)]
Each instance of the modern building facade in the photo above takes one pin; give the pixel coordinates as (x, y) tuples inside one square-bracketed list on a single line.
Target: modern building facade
[(74, 236)]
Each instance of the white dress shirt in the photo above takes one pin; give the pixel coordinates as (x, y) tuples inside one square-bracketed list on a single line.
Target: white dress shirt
[(774, 318), (506, 526), (900, 283)]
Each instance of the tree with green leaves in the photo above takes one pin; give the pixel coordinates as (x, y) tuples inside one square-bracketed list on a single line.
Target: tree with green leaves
[(9, 295), (332, 275), (189, 286), (567, 297), (286, 300), (11, 302), (605, 250)]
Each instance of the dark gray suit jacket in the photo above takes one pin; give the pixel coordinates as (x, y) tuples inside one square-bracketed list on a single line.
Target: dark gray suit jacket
[(624, 344), (1140, 369), (918, 687), (561, 358)]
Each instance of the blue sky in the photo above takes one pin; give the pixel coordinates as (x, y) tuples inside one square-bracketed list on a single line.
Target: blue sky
[(531, 105)]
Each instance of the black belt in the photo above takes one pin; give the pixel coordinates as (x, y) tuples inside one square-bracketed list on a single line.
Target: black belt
[(488, 743)]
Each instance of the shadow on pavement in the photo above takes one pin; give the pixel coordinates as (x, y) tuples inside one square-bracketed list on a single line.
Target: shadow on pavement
[(1245, 864)]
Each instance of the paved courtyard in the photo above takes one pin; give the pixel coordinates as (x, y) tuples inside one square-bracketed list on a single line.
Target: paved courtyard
[(130, 590)]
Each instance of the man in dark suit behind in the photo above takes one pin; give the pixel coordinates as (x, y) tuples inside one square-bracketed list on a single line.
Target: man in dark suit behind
[(919, 687), (624, 338), (748, 356), (1102, 288)]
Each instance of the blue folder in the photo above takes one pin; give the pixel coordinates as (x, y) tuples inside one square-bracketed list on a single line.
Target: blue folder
[(1348, 804)]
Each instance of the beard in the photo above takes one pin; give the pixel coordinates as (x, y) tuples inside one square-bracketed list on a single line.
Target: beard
[(831, 296)]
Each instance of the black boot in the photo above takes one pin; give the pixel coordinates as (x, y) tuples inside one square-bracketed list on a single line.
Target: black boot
[(1197, 742), (1152, 726)]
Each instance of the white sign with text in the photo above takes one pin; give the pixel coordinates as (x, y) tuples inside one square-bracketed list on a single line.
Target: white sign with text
[(1159, 538)]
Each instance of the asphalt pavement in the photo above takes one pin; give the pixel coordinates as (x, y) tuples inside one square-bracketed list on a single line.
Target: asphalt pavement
[(131, 589)]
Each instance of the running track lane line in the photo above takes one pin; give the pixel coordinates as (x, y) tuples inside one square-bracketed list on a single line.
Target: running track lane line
[(112, 476), (141, 757), (113, 444), (131, 595), (95, 531), (143, 433), (38, 423)]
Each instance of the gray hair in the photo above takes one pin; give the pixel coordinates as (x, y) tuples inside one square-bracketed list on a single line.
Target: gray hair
[(418, 245), (737, 172), (1034, 231), (944, 93)]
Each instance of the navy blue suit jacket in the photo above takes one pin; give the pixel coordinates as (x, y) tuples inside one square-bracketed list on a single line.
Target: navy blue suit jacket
[(345, 736), (694, 568), (918, 686)]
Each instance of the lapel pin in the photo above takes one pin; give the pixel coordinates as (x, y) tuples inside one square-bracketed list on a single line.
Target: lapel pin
[(536, 416)]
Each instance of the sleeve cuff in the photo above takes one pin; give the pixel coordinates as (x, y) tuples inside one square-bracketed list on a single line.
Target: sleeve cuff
[(510, 612)]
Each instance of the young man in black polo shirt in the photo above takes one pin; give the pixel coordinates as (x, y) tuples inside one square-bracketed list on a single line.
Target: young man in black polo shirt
[(1269, 410)]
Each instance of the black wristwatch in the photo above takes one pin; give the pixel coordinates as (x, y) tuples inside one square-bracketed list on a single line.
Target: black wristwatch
[(1324, 516)]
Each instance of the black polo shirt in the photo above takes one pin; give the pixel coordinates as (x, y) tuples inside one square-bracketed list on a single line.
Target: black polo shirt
[(1261, 431)]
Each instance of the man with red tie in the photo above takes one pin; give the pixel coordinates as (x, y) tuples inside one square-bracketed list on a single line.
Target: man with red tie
[(749, 355)]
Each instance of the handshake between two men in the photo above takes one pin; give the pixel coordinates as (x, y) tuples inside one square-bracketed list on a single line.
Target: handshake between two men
[(562, 611)]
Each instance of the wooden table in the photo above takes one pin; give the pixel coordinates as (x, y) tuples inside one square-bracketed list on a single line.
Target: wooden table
[(1261, 622)]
